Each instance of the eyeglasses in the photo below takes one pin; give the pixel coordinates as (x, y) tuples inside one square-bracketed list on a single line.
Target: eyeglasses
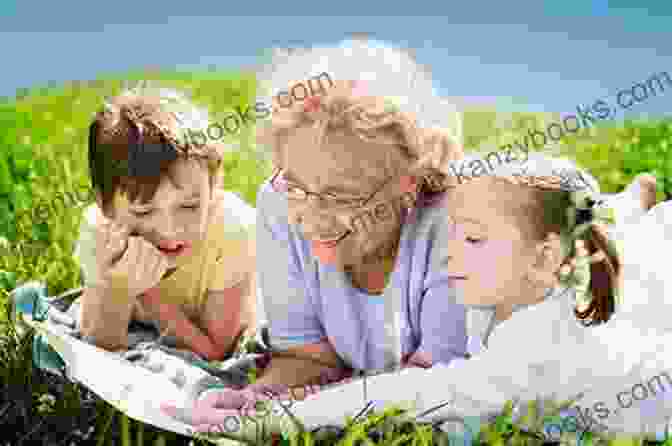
[(296, 193)]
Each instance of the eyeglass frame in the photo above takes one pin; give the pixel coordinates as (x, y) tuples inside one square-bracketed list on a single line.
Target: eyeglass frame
[(361, 202)]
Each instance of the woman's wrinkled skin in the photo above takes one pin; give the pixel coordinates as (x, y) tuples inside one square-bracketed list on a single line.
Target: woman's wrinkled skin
[(350, 168)]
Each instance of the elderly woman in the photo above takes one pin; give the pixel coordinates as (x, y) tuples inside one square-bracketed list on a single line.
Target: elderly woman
[(346, 207), (350, 245)]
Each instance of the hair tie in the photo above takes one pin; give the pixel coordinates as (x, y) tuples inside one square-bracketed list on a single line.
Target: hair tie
[(584, 212)]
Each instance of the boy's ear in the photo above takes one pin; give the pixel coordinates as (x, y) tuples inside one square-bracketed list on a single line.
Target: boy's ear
[(548, 258), (99, 202)]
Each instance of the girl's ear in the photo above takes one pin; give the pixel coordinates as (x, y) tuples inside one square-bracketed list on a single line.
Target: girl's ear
[(548, 258)]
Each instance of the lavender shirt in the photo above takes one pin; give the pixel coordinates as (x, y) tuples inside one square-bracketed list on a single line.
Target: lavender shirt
[(306, 302)]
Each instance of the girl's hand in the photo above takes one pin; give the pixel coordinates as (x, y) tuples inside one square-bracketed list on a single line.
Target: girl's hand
[(129, 263), (214, 407)]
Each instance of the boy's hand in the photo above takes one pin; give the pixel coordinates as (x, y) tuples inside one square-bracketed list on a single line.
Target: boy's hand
[(128, 263)]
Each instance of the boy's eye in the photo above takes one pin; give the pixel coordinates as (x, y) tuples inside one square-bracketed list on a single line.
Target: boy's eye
[(142, 213)]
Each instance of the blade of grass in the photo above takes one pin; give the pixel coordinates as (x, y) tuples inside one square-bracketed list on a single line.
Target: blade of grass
[(139, 434), (125, 430), (101, 439)]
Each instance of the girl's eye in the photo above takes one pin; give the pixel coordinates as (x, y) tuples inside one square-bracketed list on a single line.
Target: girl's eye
[(474, 240)]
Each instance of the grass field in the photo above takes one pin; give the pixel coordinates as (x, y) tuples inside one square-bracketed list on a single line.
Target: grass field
[(43, 157)]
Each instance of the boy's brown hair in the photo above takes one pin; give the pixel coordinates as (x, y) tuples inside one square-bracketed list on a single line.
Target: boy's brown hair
[(136, 138)]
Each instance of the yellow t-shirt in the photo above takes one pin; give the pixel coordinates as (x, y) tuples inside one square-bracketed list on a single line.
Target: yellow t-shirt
[(221, 260)]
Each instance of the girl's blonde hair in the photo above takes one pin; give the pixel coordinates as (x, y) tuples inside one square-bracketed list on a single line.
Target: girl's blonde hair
[(155, 123), (380, 94)]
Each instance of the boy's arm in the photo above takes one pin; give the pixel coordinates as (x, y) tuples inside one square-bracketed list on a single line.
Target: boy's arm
[(173, 317), (227, 314), (105, 316)]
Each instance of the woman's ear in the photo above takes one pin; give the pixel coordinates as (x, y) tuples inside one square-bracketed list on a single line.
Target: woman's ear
[(548, 258)]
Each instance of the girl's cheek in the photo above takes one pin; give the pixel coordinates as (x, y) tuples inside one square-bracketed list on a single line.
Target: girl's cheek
[(486, 259)]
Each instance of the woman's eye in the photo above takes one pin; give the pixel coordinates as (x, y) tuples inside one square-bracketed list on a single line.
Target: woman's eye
[(297, 192), (474, 240)]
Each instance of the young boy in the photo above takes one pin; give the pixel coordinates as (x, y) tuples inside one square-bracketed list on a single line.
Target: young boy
[(163, 243)]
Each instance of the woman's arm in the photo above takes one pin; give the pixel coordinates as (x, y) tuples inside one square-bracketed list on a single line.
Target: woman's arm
[(300, 365)]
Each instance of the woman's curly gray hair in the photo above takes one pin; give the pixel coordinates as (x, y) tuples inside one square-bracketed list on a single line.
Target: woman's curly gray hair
[(425, 126)]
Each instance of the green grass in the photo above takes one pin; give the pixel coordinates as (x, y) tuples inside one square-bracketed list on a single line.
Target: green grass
[(43, 156)]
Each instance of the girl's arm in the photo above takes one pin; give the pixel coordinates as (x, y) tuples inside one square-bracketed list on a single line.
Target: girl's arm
[(528, 357)]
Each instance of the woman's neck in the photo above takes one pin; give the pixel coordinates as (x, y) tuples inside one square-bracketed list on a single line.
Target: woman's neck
[(372, 274)]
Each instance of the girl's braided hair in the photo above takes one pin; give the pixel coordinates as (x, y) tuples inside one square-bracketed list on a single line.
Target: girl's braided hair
[(551, 183), (552, 204)]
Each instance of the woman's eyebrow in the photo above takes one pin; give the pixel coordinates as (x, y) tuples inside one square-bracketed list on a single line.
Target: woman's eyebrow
[(341, 190), (292, 179)]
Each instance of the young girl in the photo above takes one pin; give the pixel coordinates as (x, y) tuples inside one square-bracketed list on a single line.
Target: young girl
[(537, 330), (164, 243)]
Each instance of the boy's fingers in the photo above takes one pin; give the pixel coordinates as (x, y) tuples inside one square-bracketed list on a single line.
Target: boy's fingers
[(131, 255), (104, 233)]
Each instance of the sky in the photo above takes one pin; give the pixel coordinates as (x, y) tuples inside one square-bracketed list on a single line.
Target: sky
[(529, 54)]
